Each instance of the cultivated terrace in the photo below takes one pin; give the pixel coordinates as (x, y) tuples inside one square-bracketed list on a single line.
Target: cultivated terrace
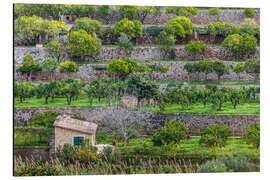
[(172, 89)]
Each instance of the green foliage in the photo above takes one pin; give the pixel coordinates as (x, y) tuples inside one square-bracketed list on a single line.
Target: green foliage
[(80, 44), (219, 98), (195, 47), (144, 11), (49, 65), (213, 167), (159, 68), (249, 12), (250, 26), (125, 43), (104, 10), (215, 135), (153, 30), (252, 135), (252, 66), (173, 133), (220, 68), (179, 26), (214, 11), (235, 95), (222, 29), (68, 67), (205, 66), (54, 49), (241, 44), (204, 95), (182, 11), (29, 65), (238, 68), (44, 120), (70, 88), (90, 26), (128, 11), (123, 67), (48, 89), (131, 28), (166, 41), (24, 90)]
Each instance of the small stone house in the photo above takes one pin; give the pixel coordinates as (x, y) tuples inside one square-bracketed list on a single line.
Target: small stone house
[(72, 131)]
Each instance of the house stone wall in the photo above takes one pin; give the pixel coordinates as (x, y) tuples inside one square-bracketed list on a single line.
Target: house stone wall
[(65, 136)]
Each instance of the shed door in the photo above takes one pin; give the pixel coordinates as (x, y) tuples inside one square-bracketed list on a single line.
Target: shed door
[(77, 140)]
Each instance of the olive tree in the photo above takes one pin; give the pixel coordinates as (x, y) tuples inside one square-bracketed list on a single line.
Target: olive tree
[(48, 89), (235, 95), (252, 66), (131, 28), (204, 95), (70, 88), (219, 98), (128, 11), (89, 25), (205, 66)]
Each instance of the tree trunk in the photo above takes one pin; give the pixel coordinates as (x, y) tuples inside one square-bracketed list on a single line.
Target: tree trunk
[(46, 99)]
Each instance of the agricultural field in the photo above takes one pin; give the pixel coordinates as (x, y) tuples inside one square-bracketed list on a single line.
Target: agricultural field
[(135, 90)]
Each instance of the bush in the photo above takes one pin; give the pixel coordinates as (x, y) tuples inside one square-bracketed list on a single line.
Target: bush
[(49, 65), (125, 43), (249, 12), (238, 68), (68, 67), (173, 133), (90, 26), (212, 167), (252, 135), (214, 11), (128, 11), (222, 29), (215, 136), (195, 47), (252, 66), (166, 41), (131, 28), (153, 30), (241, 44), (80, 44), (54, 48), (249, 26), (44, 120), (24, 90), (182, 11), (179, 26)]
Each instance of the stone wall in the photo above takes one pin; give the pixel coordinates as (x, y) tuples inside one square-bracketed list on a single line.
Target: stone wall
[(139, 53), (102, 117)]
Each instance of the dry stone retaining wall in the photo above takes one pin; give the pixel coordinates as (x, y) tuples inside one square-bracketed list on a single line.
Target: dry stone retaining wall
[(102, 116)]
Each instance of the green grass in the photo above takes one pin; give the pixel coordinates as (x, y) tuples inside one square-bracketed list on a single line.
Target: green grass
[(30, 139), (81, 102), (251, 107)]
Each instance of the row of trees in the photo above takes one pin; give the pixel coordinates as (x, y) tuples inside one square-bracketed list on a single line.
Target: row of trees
[(48, 65), (187, 96), (212, 136), (252, 66)]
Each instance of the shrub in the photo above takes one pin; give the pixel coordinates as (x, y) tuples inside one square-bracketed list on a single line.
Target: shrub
[(90, 26), (166, 41), (44, 120), (238, 68), (222, 29), (179, 26), (153, 30), (252, 135), (195, 47), (252, 66), (249, 26), (241, 44), (212, 167), (68, 67), (214, 11), (173, 133), (54, 48), (131, 28), (128, 11), (125, 43), (81, 44), (249, 12), (215, 136), (182, 11)]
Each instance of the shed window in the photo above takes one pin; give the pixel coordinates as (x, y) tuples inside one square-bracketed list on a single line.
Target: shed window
[(77, 140)]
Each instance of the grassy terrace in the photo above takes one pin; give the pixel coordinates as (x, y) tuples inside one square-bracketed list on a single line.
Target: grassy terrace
[(251, 107)]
